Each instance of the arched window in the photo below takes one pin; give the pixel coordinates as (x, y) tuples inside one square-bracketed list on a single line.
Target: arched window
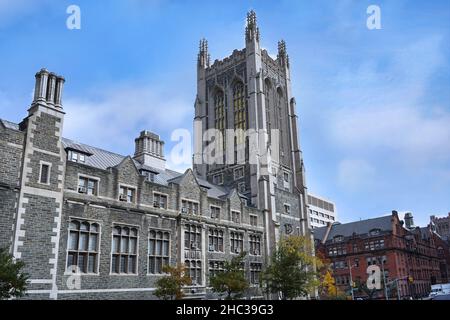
[(240, 112), (267, 93), (219, 117)]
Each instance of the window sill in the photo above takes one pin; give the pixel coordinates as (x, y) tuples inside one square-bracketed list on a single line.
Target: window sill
[(80, 274)]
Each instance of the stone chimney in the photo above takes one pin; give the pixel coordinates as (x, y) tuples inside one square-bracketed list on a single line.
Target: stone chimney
[(409, 220), (150, 150), (48, 89)]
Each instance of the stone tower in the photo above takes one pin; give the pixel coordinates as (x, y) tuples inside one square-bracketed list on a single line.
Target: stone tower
[(245, 132), (40, 200)]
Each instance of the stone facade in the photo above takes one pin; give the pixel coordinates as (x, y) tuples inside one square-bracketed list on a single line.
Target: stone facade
[(251, 91), (40, 205), (91, 224)]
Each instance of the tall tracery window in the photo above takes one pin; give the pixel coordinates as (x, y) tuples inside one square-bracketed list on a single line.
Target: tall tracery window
[(215, 239), (158, 251), (239, 112), (219, 112), (83, 246), (192, 237), (124, 250), (267, 105)]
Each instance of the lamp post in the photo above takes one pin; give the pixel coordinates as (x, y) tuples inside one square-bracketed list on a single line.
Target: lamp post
[(350, 266), (384, 279)]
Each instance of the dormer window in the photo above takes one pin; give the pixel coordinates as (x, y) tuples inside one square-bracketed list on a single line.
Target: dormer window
[(149, 175), (76, 156), (338, 238), (374, 232), (238, 173), (218, 179)]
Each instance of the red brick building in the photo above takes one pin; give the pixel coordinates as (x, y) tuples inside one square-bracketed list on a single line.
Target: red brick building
[(408, 256)]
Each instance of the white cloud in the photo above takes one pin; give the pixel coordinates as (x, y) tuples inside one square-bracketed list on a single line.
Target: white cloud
[(355, 174), (116, 117), (407, 132), (383, 109), (12, 9)]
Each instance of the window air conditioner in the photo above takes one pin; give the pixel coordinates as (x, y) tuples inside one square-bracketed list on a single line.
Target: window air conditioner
[(82, 190)]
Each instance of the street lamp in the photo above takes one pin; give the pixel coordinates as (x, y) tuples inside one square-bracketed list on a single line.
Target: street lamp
[(350, 266), (384, 279)]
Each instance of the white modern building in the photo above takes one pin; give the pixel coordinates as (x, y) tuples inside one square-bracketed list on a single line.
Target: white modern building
[(321, 211)]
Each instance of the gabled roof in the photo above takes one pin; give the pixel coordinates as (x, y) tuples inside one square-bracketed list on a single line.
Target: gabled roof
[(9, 124), (102, 159), (213, 191), (358, 227)]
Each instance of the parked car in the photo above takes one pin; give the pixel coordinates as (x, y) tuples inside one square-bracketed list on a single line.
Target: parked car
[(439, 289), (441, 297)]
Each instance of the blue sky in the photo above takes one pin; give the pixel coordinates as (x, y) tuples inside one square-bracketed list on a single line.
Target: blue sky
[(374, 105)]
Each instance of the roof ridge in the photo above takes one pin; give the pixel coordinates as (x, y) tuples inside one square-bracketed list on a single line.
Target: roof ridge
[(97, 148)]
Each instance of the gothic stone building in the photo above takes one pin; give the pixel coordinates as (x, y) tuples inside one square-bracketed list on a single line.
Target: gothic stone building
[(92, 224), (250, 90)]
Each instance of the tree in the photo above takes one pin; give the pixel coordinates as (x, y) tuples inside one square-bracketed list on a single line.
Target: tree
[(292, 269), (13, 282), (327, 288), (170, 286), (232, 280)]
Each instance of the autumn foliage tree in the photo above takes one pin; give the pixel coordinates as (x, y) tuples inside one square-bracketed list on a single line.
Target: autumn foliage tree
[(291, 272), (170, 287), (327, 288)]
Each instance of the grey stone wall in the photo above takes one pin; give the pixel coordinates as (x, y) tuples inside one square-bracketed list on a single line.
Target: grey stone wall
[(46, 133), (107, 218), (11, 148), (37, 246), (8, 200)]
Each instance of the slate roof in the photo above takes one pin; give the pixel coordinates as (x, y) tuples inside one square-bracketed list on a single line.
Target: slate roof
[(9, 124), (102, 159), (99, 158), (359, 227)]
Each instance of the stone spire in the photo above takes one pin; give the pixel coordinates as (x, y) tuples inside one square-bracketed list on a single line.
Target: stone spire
[(251, 30), (283, 57), (203, 55)]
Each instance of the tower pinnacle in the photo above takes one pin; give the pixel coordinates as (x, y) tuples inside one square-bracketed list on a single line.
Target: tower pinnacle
[(283, 57), (203, 55), (251, 30)]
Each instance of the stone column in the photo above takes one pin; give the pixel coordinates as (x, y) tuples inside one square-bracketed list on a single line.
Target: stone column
[(59, 90), (51, 88)]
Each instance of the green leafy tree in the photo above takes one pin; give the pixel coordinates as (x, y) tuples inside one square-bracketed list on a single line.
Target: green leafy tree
[(170, 287), (232, 280), (13, 282), (292, 269)]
